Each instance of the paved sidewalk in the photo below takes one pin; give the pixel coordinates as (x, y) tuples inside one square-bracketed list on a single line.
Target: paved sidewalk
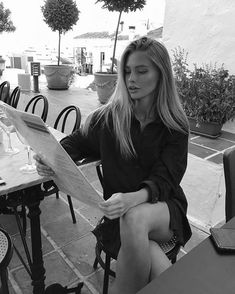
[(69, 248)]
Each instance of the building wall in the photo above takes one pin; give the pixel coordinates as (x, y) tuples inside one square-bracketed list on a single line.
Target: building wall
[(204, 28), (96, 46)]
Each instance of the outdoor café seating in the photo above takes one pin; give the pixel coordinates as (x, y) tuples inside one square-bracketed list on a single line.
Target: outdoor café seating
[(6, 250), (4, 91), (229, 175), (14, 97), (34, 104), (105, 247), (61, 124)]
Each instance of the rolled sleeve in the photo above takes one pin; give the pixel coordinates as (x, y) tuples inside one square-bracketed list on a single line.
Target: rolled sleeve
[(153, 191)]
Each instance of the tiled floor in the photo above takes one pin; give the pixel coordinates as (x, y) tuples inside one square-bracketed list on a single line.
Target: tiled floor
[(68, 248), (211, 149)]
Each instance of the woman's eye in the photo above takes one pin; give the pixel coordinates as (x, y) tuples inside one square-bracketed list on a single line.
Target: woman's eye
[(142, 71)]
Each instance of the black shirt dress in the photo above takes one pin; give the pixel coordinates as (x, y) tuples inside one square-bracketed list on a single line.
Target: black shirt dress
[(159, 166)]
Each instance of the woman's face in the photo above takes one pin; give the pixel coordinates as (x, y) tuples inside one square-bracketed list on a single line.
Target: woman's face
[(141, 76)]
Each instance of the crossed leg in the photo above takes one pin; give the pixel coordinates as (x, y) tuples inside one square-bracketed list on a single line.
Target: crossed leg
[(140, 258)]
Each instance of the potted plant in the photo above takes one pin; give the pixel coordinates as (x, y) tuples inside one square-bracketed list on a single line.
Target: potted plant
[(59, 15), (106, 81), (207, 94)]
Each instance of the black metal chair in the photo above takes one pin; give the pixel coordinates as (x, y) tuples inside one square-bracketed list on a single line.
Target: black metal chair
[(229, 176), (38, 104), (14, 98), (61, 123), (170, 248), (6, 250), (4, 91)]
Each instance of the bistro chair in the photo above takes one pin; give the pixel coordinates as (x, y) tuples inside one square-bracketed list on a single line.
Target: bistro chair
[(4, 91), (14, 98), (38, 104), (6, 251), (229, 176), (171, 248), (61, 124)]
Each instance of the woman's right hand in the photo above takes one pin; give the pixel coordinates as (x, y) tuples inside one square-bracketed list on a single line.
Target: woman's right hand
[(42, 168)]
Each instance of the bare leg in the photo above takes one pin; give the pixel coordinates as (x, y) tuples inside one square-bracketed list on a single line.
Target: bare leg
[(135, 264), (159, 260)]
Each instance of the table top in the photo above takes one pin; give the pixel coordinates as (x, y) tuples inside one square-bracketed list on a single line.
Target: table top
[(10, 166), (202, 271)]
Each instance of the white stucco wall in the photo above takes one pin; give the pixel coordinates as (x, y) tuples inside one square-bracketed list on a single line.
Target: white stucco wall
[(205, 28)]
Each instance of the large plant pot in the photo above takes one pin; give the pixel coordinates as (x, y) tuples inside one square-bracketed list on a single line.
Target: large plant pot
[(58, 76), (105, 85), (207, 129)]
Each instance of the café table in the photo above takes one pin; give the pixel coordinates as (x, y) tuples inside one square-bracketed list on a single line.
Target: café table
[(201, 271), (17, 181)]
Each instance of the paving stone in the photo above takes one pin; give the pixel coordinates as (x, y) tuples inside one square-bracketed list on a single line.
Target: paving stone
[(216, 144), (82, 254), (228, 136), (8, 222), (64, 231), (197, 237), (199, 150), (217, 158), (53, 209), (15, 261)]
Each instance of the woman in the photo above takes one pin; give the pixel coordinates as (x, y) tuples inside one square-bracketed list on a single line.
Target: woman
[(141, 136)]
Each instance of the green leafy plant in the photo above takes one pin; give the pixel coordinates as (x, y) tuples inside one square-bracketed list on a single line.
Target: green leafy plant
[(120, 6), (207, 92), (60, 15), (6, 25)]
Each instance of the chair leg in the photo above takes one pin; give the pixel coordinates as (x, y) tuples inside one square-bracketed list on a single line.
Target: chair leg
[(24, 219), (106, 274), (95, 264), (57, 195), (4, 281), (71, 209)]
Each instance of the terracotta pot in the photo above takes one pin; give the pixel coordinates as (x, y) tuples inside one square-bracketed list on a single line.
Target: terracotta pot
[(105, 85), (207, 129), (58, 76)]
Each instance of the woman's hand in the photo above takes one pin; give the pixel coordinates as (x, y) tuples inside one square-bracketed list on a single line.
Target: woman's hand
[(116, 206), (43, 169), (119, 203)]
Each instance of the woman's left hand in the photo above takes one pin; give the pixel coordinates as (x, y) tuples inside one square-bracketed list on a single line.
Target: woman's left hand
[(116, 206)]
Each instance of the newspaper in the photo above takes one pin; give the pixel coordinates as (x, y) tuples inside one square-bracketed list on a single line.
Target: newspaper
[(68, 177)]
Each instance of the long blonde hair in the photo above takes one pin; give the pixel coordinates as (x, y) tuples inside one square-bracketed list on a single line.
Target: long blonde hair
[(167, 103)]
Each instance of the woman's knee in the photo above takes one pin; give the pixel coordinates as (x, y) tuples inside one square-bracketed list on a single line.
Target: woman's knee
[(133, 222)]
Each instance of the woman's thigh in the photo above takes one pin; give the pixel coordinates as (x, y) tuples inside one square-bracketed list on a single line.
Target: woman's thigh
[(154, 217)]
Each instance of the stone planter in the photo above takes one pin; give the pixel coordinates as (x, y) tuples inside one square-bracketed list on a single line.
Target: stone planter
[(105, 85), (58, 76), (207, 129)]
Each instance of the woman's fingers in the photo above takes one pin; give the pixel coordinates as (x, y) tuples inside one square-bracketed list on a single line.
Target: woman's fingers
[(42, 168), (113, 207)]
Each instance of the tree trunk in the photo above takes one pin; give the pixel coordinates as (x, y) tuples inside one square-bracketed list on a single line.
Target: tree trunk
[(58, 63), (115, 41)]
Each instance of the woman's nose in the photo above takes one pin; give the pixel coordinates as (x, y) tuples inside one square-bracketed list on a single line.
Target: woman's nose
[(131, 76)]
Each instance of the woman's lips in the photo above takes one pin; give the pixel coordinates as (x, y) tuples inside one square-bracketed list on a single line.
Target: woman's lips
[(133, 89)]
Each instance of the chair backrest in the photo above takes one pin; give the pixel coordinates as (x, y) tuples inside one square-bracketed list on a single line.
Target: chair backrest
[(41, 107), (229, 175), (61, 120), (14, 98), (6, 249), (4, 91)]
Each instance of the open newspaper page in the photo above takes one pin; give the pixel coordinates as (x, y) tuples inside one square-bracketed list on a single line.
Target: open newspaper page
[(69, 178)]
